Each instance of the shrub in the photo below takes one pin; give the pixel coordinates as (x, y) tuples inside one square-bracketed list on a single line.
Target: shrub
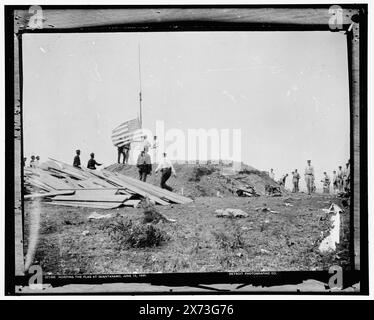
[(229, 242), (198, 172), (126, 233)]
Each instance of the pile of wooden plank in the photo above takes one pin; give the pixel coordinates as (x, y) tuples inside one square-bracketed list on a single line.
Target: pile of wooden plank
[(66, 185)]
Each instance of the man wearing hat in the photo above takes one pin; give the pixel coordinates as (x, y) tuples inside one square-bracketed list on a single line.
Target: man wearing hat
[(309, 176), (92, 162), (77, 159)]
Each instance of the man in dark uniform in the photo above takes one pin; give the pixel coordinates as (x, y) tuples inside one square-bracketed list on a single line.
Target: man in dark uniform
[(144, 165), (295, 181), (92, 162), (77, 160), (121, 152), (126, 150)]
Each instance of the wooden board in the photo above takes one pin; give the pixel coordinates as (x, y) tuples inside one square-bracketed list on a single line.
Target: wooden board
[(48, 194), (136, 190), (154, 190), (98, 205), (93, 198)]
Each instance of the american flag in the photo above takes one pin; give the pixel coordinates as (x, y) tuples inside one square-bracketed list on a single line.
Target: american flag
[(126, 132)]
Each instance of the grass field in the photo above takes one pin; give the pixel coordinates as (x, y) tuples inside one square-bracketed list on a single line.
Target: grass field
[(198, 240)]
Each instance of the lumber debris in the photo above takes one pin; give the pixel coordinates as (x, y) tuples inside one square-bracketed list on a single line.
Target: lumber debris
[(48, 194), (66, 185)]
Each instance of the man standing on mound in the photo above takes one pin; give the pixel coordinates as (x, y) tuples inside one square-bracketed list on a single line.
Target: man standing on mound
[(167, 169), (309, 177)]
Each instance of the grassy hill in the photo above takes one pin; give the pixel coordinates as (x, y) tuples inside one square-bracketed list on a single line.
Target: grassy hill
[(199, 180)]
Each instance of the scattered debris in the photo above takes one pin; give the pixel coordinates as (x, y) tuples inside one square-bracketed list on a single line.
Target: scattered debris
[(266, 209), (85, 232), (288, 204), (246, 191), (92, 188), (273, 191), (48, 194), (97, 216), (231, 213), (291, 199)]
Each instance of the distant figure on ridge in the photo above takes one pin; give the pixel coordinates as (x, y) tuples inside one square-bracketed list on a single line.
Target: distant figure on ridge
[(77, 159), (32, 162), (345, 176), (37, 161), (340, 179), (282, 181), (326, 183), (271, 174), (126, 150), (335, 186), (145, 143), (295, 181), (167, 169), (121, 151), (309, 177), (154, 147), (92, 162)]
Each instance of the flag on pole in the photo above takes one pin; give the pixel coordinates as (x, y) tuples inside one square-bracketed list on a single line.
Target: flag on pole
[(126, 132)]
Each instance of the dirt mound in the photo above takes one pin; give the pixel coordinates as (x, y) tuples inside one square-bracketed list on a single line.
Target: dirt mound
[(200, 180)]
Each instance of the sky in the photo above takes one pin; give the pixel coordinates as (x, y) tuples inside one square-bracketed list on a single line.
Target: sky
[(287, 92)]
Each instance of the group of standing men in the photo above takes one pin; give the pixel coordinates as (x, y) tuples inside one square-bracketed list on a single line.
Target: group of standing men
[(308, 175), (34, 161), (125, 149), (144, 164), (341, 179)]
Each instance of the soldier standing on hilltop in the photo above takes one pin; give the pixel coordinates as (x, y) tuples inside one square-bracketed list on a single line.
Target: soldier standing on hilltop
[(121, 151), (326, 183), (271, 174), (295, 181), (334, 182), (309, 177), (340, 179)]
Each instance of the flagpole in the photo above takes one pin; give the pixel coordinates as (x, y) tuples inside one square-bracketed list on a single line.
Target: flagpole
[(140, 91)]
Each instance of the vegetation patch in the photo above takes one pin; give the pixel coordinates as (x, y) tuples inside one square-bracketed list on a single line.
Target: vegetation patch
[(129, 234)]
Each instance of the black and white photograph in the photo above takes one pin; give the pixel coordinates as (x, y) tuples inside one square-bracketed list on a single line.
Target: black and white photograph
[(163, 141)]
